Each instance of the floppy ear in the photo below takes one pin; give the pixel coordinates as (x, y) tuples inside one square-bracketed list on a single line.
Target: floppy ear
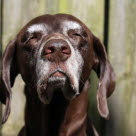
[(9, 72), (106, 77)]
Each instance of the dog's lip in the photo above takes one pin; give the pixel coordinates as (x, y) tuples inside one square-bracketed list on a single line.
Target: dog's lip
[(57, 74), (62, 74)]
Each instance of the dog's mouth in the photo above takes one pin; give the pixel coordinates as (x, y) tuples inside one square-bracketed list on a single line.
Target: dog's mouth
[(57, 81)]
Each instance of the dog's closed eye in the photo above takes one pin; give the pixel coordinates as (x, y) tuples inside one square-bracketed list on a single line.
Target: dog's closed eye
[(28, 37), (73, 34), (32, 40), (77, 34)]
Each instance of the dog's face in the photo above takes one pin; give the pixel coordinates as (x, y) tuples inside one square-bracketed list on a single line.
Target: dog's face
[(57, 52)]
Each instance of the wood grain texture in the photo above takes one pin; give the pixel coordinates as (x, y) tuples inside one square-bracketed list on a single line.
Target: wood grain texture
[(0, 59), (122, 53)]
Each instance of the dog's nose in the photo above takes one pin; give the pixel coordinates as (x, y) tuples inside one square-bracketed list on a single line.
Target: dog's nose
[(56, 50)]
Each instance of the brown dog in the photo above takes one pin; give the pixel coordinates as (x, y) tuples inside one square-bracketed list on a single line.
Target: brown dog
[(54, 55)]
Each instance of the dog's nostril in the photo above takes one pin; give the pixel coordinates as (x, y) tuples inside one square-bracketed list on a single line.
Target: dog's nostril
[(49, 50), (65, 50), (56, 50)]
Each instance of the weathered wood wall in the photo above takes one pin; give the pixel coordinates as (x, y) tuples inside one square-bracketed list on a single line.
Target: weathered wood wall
[(16, 13), (122, 53), (0, 58)]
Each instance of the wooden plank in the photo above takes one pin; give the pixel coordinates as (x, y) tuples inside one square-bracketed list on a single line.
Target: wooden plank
[(0, 60), (52, 7), (122, 53)]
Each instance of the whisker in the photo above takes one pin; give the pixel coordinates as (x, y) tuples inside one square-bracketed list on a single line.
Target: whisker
[(81, 79), (38, 82)]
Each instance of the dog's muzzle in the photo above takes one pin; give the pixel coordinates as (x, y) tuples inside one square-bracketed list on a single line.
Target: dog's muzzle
[(59, 68)]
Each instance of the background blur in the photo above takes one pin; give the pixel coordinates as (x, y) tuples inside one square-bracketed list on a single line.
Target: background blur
[(114, 22)]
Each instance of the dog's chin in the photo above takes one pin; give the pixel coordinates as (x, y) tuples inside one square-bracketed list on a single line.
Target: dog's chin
[(56, 83)]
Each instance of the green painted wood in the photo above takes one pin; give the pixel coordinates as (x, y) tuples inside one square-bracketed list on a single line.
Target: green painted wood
[(122, 53), (0, 59), (89, 11), (51, 6), (63, 6)]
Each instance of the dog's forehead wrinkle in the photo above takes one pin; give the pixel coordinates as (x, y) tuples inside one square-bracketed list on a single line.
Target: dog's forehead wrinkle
[(66, 25), (38, 28)]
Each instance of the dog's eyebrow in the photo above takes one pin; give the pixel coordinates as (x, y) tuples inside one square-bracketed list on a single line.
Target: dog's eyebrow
[(37, 28), (70, 25)]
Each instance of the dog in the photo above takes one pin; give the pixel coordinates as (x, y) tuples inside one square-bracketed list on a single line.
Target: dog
[(55, 55)]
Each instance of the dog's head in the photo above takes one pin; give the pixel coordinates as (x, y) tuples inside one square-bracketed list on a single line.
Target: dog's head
[(56, 52)]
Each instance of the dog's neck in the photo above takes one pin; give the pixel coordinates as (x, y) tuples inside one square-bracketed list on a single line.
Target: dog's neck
[(56, 112), (60, 116)]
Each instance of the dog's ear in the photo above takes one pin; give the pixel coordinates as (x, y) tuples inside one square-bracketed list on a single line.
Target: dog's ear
[(9, 72), (106, 77)]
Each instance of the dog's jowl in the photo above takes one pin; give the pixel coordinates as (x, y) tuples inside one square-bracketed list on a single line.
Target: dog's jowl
[(55, 55)]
